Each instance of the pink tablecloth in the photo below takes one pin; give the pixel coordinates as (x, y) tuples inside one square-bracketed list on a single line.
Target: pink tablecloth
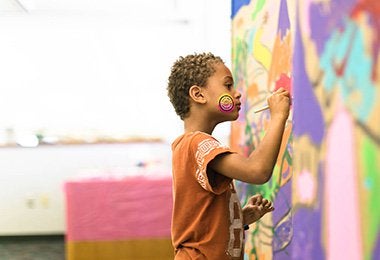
[(135, 207)]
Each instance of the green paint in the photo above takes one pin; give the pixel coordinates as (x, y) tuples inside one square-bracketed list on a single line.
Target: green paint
[(241, 53), (258, 7), (371, 168)]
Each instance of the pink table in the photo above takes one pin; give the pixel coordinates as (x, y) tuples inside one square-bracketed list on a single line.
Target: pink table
[(119, 219)]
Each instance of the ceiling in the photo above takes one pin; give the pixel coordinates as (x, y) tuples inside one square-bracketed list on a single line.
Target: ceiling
[(105, 6)]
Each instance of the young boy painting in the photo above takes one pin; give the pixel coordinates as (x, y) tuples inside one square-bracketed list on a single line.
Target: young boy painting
[(208, 221)]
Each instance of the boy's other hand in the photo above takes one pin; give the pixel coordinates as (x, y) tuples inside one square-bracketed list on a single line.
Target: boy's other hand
[(256, 208)]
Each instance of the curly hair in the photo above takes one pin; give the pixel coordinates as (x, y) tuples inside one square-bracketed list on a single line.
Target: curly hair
[(193, 69)]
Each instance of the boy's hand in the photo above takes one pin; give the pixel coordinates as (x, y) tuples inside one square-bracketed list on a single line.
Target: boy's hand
[(279, 103), (256, 207)]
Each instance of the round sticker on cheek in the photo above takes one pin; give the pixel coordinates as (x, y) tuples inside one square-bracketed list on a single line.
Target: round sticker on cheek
[(226, 103)]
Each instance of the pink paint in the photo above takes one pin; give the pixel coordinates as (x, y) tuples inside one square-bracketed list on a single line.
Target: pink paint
[(343, 237), (284, 82), (306, 187), (136, 207)]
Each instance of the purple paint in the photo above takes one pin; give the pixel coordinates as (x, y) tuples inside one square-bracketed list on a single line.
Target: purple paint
[(308, 118), (283, 20), (306, 243), (282, 202), (282, 220), (376, 251), (307, 230)]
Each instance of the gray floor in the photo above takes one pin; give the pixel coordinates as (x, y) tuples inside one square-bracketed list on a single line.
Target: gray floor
[(32, 248)]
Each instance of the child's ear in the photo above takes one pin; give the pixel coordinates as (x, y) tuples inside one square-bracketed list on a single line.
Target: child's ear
[(196, 94)]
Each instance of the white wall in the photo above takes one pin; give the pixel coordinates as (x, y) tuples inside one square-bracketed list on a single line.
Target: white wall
[(74, 66), (32, 179), (88, 65)]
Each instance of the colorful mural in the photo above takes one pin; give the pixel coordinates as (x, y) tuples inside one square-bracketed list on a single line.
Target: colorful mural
[(326, 183)]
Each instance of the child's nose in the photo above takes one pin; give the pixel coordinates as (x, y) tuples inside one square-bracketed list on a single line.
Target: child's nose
[(237, 95)]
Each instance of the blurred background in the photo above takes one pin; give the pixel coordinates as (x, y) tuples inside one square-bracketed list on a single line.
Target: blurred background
[(75, 68), (83, 97)]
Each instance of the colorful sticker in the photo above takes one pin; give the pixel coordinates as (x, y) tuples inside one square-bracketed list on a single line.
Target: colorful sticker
[(226, 103)]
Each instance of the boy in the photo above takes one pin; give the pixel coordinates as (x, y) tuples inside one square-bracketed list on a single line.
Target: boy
[(208, 221)]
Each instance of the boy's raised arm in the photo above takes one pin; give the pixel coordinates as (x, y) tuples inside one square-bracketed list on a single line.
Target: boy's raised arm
[(258, 167)]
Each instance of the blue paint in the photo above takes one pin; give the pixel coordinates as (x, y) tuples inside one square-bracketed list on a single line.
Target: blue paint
[(236, 5), (356, 80), (251, 36)]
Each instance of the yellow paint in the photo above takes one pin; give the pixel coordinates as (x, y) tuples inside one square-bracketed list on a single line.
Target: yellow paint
[(260, 51)]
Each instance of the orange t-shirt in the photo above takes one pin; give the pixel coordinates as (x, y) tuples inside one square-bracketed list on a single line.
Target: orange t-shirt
[(207, 215)]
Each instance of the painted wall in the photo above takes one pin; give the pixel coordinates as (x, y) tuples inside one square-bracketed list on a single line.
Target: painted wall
[(326, 181)]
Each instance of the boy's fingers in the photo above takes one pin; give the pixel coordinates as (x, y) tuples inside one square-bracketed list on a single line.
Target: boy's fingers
[(256, 199), (259, 200), (280, 95), (284, 94), (282, 91), (279, 90), (267, 203)]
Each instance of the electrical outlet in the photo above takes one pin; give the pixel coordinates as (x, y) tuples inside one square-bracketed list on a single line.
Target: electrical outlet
[(30, 202)]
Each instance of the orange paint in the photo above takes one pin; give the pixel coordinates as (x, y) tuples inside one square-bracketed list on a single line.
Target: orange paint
[(281, 59), (252, 90)]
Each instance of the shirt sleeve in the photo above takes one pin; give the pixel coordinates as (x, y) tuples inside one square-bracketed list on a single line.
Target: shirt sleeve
[(206, 148)]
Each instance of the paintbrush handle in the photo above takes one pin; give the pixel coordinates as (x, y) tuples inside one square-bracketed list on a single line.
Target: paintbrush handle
[(261, 109)]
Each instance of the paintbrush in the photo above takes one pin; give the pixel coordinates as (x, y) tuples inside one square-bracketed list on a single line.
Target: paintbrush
[(267, 107), (261, 109)]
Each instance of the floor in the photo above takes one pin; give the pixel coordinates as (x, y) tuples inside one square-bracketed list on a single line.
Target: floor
[(32, 247)]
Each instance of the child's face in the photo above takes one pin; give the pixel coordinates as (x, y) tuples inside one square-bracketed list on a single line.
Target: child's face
[(223, 100)]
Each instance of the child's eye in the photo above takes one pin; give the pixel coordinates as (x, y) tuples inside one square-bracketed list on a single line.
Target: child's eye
[(229, 86)]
